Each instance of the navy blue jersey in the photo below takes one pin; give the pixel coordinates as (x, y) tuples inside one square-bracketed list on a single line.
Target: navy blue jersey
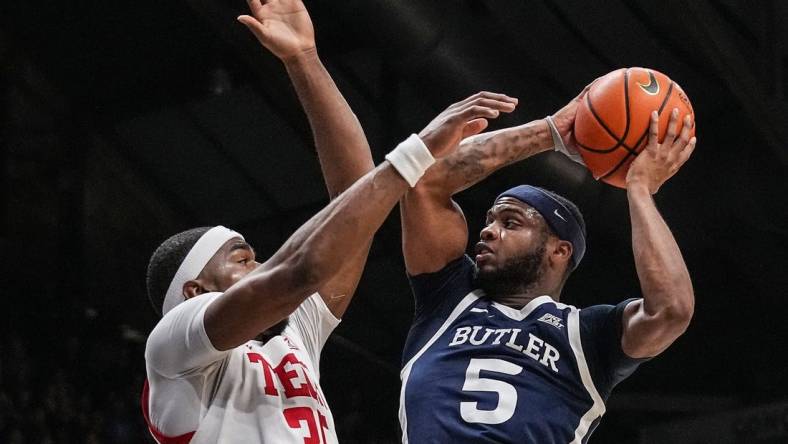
[(475, 370)]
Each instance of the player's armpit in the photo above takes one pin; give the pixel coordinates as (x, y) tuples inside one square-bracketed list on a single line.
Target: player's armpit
[(434, 231), (645, 335)]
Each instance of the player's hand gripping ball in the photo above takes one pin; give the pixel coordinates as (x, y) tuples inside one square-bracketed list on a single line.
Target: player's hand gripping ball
[(611, 125)]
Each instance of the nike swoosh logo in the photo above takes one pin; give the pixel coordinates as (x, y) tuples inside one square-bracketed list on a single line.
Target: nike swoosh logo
[(556, 213), (652, 88)]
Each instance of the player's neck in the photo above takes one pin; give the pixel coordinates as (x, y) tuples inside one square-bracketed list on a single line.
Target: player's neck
[(520, 300)]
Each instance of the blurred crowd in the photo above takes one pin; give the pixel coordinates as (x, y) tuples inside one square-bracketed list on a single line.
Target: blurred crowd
[(73, 386)]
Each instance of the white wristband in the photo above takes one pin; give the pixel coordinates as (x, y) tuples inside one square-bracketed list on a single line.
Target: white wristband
[(558, 143), (411, 158)]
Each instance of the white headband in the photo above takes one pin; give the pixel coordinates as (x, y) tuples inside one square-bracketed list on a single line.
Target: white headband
[(202, 252)]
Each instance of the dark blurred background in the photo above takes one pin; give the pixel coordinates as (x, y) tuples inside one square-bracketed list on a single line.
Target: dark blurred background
[(122, 123)]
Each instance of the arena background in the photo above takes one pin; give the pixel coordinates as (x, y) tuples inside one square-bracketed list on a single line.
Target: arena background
[(124, 122)]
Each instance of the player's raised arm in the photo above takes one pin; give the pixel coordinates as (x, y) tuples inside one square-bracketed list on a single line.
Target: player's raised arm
[(315, 252), (434, 231), (651, 324), (285, 28)]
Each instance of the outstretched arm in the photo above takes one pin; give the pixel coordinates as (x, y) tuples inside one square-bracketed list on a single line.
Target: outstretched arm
[(314, 253), (434, 231), (651, 324), (285, 28)]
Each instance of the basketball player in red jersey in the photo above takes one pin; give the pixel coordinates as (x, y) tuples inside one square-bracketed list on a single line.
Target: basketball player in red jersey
[(212, 377), (182, 366)]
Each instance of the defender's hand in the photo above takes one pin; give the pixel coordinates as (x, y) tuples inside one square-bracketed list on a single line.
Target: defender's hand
[(658, 162), (282, 26), (464, 119)]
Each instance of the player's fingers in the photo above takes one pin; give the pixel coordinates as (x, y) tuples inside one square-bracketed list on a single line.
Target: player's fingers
[(254, 25), (484, 95), (463, 101), (670, 136), (255, 6), (685, 154), (474, 127), (249, 21), (586, 89), (500, 97), (500, 105), (653, 132), (682, 158), (684, 136), (476, 111)]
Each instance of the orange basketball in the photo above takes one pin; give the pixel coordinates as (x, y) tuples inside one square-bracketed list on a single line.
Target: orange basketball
[(611, 126)]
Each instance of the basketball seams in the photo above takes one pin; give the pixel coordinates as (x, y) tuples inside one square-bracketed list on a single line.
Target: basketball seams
[(626, 109), (642, 136), (604, 126), (619, 141)]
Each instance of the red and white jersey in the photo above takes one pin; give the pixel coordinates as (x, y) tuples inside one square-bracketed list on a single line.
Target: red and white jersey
[(254, 393)]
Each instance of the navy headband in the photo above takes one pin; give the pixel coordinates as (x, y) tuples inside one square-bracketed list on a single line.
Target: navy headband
[(558, 217)]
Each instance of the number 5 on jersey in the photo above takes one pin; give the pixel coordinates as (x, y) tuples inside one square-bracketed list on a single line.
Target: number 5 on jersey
[(507, 394)]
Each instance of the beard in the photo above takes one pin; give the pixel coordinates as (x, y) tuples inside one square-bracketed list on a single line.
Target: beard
[(517, 275), (276, 330)]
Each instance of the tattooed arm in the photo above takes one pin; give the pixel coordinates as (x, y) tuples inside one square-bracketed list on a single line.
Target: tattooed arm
[(434, 230)]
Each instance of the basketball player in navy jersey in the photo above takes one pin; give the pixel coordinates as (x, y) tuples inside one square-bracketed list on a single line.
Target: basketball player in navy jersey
[(493, 355)]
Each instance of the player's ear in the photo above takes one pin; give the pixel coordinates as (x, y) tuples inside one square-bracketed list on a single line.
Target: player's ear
[(192, 288), (561, 252)]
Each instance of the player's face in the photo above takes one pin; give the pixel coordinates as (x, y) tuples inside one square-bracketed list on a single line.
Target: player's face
[(230, 264), (511, 250)]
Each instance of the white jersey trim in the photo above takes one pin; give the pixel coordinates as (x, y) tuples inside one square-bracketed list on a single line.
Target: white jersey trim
[(598, 408), (405, 373), (519, 315)]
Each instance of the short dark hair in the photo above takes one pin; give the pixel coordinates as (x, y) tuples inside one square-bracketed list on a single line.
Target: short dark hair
[(165, 261)]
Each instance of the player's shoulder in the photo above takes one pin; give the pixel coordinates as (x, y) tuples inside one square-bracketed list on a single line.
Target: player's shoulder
[(179, 337), (459, 266), (453, 281), (192, 304), (184, 314), (601, 328), (605, 312)]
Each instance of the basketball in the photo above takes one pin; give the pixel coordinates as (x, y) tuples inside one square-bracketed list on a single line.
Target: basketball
[(611, 125)]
